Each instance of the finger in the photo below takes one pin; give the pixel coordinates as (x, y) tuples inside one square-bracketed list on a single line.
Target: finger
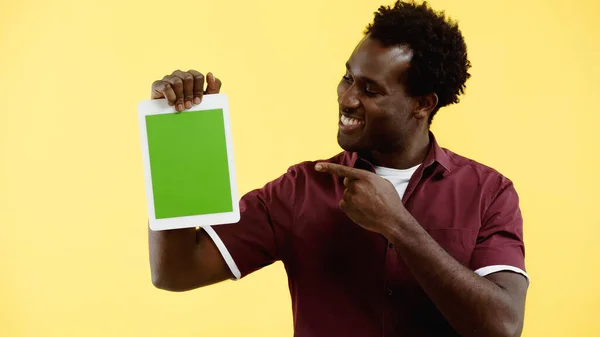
[(188, 87), (198, 85), (162, 89), (353, 185), (177, 85), (347, 195), (342, 171), (213, 84), (350, 184)]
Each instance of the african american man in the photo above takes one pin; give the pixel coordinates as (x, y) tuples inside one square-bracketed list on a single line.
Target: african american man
[(395, 235)]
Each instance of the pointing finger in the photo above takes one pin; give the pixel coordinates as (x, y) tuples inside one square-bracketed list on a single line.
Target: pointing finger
[(342, 171)]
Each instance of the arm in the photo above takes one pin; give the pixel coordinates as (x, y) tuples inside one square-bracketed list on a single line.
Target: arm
[(473, 305), (185, 259)]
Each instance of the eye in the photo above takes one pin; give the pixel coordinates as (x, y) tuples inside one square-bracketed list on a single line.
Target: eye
[(370, 93), (347, 78)]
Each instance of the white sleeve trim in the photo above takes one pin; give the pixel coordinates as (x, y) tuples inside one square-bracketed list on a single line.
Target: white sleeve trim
[(496, 268), (224, 252)]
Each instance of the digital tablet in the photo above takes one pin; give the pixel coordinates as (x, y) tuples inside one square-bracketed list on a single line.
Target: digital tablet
[(188, 162)]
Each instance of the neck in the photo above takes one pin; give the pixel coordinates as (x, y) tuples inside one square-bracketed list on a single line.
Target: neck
[(412, 153)]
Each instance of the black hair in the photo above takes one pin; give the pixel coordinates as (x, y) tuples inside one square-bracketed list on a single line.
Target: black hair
[(439, 64)]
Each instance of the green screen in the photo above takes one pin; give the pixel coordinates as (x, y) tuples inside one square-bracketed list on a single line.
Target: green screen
[(188, 161)]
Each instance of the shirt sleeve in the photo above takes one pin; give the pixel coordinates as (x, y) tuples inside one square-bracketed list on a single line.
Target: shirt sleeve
[(265, 214), (500, 245)]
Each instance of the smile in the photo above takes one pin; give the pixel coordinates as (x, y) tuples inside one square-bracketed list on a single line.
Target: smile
[(348, 123)]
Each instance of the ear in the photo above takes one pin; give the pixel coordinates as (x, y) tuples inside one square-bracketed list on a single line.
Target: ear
[(425, 105)]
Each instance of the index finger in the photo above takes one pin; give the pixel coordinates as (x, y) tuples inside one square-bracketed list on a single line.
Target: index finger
[(341, 170), (162, 89)]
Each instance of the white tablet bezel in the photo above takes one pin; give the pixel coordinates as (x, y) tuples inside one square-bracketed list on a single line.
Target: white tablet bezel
[(161, 106)]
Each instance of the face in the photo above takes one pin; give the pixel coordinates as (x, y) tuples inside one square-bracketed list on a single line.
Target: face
[(376, 114)]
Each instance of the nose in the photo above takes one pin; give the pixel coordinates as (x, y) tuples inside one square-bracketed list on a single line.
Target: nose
[(348, 98)]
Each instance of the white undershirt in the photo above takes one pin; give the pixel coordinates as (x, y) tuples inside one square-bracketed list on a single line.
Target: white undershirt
[(400, 179)]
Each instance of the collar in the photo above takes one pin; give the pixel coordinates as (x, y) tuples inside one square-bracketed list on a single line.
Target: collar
[(435, 155)]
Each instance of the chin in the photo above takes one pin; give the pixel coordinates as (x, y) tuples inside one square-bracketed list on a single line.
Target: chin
[(349, 144)]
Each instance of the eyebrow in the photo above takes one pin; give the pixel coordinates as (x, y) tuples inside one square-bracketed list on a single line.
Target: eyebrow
[(364, 78)]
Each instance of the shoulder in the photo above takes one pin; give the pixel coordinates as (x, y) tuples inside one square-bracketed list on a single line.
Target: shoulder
[(491, 181), (460, 163)]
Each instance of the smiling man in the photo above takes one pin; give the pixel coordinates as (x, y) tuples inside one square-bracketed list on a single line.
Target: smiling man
[(394, 236)]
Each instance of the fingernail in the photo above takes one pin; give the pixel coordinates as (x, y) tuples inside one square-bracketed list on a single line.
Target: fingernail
[(180, 107), (318, 167), (197, 100), (188, 104)]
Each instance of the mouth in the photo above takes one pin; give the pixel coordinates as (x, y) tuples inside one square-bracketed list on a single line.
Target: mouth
[(349, 124)]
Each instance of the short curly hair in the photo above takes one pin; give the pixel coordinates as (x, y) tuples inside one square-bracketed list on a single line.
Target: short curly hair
[(439, 64)]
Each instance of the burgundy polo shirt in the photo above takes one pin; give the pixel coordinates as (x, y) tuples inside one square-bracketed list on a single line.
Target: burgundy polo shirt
[(347, 281)]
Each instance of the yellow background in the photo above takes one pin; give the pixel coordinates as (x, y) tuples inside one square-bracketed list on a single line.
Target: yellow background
[(73, 249)]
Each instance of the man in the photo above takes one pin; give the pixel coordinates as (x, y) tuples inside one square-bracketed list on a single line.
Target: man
[(394, 236)]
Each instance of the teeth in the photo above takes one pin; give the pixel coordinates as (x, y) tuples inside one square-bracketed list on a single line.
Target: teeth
[(350, 121)]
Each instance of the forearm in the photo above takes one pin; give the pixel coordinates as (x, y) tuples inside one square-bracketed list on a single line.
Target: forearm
[(170, 253), (473, 305)]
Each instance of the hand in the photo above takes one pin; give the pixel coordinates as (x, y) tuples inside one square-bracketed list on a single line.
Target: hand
[(369, 200), (184, 89)]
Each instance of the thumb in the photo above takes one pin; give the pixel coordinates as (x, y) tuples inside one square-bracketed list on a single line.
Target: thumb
[(213, 84)]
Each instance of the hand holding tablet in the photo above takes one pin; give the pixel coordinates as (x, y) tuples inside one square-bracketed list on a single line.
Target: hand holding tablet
[(188, 156)]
